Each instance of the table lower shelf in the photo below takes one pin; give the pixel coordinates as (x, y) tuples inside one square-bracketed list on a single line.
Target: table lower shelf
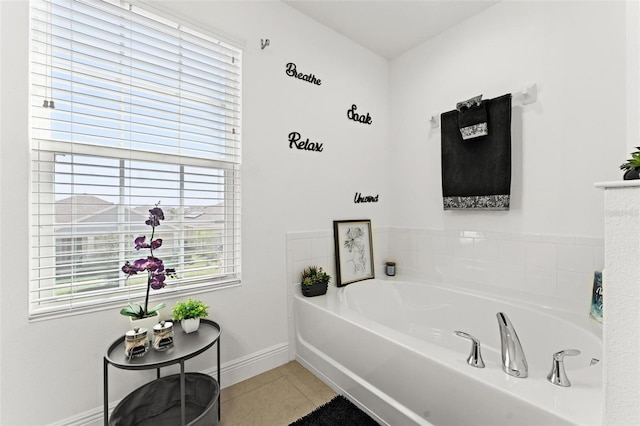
[(158, 403)]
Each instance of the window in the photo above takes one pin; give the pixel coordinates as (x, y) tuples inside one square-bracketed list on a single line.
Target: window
[(129, 109)]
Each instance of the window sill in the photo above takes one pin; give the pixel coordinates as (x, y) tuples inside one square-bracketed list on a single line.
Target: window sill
[(118, 303)]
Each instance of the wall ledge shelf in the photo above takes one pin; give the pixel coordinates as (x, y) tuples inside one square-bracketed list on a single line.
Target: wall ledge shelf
[(618, 184)]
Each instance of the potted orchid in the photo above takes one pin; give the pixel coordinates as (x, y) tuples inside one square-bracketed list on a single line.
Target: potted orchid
[(153, 266)]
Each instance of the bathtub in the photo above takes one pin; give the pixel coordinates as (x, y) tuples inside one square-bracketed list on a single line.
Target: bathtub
[(388, 345)]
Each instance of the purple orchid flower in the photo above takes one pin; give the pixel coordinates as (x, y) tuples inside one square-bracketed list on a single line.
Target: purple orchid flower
[(157, 212), (140, 264), (140, 243), (154, 264), (155, 216), (156, 273), (128, 269), (157, 281)]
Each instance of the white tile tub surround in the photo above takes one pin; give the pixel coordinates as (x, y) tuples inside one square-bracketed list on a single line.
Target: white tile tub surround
[(555, 269)]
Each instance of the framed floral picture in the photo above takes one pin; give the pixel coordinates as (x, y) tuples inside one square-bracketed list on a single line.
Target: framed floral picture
[(354, 251)]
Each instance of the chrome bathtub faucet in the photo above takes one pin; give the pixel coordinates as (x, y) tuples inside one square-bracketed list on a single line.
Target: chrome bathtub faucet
[(514, 363), (557, 376), (475, 357)]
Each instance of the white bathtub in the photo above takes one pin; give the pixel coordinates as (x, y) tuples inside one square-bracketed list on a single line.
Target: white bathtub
[(389, 346)]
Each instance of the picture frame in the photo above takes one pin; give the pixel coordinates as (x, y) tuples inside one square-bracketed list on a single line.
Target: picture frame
[(353, 250)]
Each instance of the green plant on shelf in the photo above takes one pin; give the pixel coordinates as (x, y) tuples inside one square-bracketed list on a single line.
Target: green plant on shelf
[(314, 275), (191, 309), (633, 162)]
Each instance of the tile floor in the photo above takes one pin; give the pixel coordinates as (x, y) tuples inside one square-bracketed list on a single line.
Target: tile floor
[(277, 397)]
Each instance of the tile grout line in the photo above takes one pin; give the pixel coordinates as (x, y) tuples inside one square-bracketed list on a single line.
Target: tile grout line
[(302, 392), (255, 388)]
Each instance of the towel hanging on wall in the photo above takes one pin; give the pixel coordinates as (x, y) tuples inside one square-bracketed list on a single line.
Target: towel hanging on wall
[(475, 101), (476, 174), (472, 121)]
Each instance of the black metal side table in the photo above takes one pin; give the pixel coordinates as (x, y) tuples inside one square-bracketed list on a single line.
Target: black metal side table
[(185, 346)]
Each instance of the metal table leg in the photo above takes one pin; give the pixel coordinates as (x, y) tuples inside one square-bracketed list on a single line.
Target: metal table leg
[(182, 394), (105, 390), (219, 386)]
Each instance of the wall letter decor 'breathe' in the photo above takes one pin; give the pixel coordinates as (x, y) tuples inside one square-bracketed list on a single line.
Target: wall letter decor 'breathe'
[(296, 142), (353, 115), (293, 72)]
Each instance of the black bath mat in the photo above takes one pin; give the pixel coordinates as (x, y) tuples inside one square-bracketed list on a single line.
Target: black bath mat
[(337, 412)]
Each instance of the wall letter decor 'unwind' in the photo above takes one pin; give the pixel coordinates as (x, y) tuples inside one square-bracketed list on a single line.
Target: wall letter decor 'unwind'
[(296, 142), (366, 199), (353, 115), (293, 72)]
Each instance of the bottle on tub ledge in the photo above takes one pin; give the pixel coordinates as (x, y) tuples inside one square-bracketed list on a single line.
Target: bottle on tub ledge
[(390, 269), (596, 296)]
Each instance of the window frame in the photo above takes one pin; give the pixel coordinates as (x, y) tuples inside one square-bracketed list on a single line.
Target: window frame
[(97, 300)]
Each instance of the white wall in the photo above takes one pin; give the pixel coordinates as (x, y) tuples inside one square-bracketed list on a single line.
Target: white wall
[(573, 136), (52, 370), (1, 59), (633, 75)]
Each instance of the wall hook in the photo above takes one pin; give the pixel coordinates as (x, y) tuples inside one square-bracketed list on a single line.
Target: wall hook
[(530, 94), (264, 43), (435, 123)]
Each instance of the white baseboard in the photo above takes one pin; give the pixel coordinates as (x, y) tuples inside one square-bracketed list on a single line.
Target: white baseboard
[(93, 417), (243, 368), (231, 373)]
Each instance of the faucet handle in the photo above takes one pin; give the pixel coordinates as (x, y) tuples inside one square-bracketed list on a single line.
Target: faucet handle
[(475, 357), (559, 356), (557, 375)]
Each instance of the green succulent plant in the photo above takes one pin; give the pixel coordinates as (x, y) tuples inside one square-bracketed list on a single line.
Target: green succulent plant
[(314, 274), (633, 162), (189, 310)]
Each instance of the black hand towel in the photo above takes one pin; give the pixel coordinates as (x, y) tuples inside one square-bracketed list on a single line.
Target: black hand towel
[(472, 121), (476, 174)]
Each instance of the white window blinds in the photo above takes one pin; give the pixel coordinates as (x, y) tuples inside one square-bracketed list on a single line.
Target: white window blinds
[(129, 109)]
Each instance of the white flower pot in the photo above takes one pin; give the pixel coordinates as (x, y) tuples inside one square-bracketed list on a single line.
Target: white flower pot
[(190, 325), (147, 323)]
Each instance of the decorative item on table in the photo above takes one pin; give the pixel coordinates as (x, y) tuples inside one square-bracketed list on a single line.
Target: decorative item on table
[(136, 343), (354, 251), (390, 269), (314, 281), (189, 314), (596, 296), (163, 336), (632, 166), (156, 272)]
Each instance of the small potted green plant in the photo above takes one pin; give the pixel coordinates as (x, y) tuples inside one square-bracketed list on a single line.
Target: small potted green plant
[(632, 166), (314, 281), (189, 314)]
